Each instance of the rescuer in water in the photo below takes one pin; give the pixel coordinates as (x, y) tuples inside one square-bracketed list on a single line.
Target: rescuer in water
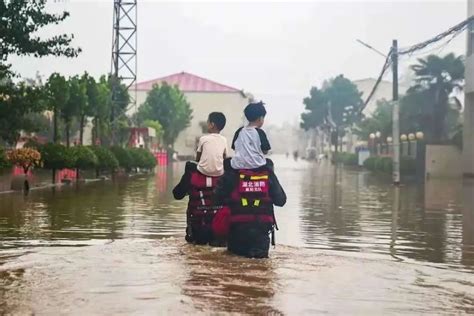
[(250, 188), (199, 181)]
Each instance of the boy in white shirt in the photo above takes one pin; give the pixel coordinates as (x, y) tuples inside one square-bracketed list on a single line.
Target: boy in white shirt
[(198, 181), (212, 148)]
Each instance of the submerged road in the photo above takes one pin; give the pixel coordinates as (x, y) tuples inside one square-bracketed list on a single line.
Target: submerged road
[(349, 243)]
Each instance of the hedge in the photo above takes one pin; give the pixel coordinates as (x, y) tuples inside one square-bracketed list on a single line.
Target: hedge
[(142, 158), (105, 158), (348, 159), (84, 157), (123, 156), (385, 164), (56, 156), (4, 163)]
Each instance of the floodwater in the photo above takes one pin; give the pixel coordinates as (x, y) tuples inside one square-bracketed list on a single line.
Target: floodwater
[(349, 243)]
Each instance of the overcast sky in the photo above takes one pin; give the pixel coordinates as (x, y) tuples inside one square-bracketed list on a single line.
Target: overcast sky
[(276, 51)]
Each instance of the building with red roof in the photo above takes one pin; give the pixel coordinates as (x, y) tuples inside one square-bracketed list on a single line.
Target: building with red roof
[(204, 96)]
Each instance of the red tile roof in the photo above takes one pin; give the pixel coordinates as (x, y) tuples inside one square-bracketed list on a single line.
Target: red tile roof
[(187, 82)]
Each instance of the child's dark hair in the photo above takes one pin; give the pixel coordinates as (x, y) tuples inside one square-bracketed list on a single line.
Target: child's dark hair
[(254, 111), (218, 119)]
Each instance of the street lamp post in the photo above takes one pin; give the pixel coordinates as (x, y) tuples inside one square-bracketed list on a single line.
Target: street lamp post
[(396, 108), (378, 135), (395, 115)]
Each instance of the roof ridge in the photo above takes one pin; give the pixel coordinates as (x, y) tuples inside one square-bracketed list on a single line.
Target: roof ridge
[(215, 82), (184, 73)]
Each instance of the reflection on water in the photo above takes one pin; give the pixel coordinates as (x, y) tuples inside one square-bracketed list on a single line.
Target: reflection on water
[(348, 242), (355, 211), (468, 224)]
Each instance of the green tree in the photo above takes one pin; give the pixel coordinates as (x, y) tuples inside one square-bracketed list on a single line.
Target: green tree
[(77, 101), (335, 104), (57, 91), (101, 109), (167, 105), (436, 79), (17, 103), (343, 98), (316, 109), (87, 107), (120, 100), (155, 125), (20, 22), (379, 121)]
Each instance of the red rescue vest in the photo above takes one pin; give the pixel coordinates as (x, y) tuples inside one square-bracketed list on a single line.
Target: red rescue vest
[(250, 201), (201, 211)]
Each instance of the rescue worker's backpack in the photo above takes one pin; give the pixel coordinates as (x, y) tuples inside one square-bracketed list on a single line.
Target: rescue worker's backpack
[(201, 211), (250, 201)]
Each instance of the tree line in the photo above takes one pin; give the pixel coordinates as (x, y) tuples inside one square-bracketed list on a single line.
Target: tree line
[(62, 107), (430, 105)]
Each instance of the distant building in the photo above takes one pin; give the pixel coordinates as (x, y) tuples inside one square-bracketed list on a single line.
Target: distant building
[(204, 96), (384, 91)]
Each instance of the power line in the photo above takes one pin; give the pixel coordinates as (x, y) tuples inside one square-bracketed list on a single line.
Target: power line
[(435, 50), (458, 28), (386, 66), (453, 32)]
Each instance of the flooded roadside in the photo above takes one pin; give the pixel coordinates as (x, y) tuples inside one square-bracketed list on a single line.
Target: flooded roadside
[(345, 245)]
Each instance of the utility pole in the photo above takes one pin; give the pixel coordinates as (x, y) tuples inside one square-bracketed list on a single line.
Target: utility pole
[(395, 116)]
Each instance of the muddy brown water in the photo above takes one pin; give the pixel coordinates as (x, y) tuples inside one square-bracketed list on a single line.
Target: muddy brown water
[(349, 243)]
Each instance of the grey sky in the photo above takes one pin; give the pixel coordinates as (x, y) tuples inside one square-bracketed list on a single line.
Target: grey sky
[(276, 51)]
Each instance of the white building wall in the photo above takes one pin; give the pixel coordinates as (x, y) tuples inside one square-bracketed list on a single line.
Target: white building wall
[(468, 132), (231, 104)]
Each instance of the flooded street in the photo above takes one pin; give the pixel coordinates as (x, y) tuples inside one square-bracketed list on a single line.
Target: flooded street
[(349, 243)]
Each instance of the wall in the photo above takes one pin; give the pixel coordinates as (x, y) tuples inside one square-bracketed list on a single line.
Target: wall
[(468, 134), (202, 103), (442, 161), (468, 147)]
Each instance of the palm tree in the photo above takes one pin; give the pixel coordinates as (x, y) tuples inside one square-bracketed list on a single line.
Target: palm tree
[(439, 77)]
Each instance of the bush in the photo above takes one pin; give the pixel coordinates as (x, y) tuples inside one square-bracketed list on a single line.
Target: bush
[(24, 158), (56, 156), (385, 164), (105, 158), (4, 163), (348, 159), (142, 158), (369, 163), (32, 143), (123, 156), (407, 165), (84, 157)]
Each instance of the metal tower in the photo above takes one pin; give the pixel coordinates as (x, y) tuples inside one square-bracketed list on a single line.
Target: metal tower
[(124, 45)]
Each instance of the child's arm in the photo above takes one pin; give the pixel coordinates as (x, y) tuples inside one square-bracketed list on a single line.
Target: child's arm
[(236, 135), (199, 149), (264, 143), (225, 150)]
